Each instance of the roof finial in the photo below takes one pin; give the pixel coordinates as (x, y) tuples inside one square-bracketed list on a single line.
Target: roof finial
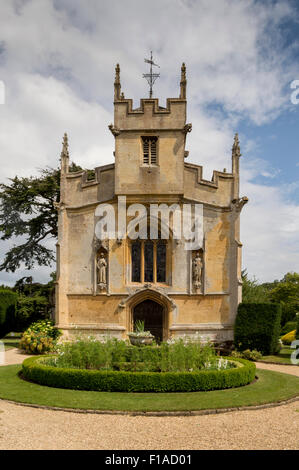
[(117, 86), (183, 83)]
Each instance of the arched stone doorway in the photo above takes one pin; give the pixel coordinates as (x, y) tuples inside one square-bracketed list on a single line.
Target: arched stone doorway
[(152, 313)]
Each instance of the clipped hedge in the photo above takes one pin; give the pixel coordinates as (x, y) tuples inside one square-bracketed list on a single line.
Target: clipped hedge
[(36, 370), (257, 327), (8, 300)]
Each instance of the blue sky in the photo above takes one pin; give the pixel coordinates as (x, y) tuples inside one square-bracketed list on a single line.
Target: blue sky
[(57, 61)]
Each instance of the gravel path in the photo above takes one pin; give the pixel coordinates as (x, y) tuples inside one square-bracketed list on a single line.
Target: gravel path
[(14, 356), (30, 428)]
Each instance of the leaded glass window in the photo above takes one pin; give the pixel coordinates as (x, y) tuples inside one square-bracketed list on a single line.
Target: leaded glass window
[(161, 262), (149, 261), (136, 261)]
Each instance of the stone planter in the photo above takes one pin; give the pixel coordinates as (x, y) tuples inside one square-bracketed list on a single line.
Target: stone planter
[(140, 340)]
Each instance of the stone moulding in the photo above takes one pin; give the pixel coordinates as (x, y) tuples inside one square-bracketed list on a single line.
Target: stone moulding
[(213, 332), (92, 326), (201, 326)]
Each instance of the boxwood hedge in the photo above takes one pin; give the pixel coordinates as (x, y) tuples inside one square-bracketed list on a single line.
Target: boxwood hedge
[(36, 370), (257, 327)]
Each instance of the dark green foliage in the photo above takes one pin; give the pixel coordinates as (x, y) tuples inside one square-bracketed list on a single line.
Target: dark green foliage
[(297, 327), (27, 209), (252, 292), (286, 292), (257, 327), (37, 371), (29, 310), (8, 301)]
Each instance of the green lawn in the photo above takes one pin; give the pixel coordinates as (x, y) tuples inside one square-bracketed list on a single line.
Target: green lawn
[(283, 357), (10, 343), (270, 387)]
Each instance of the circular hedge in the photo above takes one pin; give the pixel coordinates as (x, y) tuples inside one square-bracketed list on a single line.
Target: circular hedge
[(36, 370)]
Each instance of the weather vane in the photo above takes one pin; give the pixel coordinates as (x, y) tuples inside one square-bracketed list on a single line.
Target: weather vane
[(151, 77)]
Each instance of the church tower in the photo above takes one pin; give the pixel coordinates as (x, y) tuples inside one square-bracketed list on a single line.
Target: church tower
[(149, 143)]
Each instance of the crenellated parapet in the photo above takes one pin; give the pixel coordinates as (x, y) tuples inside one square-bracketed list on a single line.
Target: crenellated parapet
[(81, 190), (149, 116), (218, 191)]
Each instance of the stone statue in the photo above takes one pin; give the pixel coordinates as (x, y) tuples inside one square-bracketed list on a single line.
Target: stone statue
[(196, 271), (102, 266)]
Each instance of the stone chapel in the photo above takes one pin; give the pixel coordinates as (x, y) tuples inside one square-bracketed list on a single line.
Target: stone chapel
[(104, 285)]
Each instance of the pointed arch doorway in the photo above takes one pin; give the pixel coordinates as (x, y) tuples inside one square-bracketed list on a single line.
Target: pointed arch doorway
[(152, 313)]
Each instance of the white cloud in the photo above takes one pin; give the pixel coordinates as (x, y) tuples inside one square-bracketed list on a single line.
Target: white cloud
[(57, 61)]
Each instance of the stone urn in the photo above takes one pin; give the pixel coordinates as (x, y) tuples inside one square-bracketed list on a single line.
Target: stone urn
[(140, 340)]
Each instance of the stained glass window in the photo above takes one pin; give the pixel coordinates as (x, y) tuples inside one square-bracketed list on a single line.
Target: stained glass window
[(161, 262), (148, 261)]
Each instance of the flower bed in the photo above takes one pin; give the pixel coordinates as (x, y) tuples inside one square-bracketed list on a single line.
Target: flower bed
[(37, 370)]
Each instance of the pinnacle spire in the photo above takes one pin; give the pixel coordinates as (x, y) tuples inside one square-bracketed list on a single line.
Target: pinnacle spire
[(64, 156), (65, 147), (183, 84), (236, 152), (117, 86)]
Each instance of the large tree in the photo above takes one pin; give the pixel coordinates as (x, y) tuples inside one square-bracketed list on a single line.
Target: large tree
[(27, 210)]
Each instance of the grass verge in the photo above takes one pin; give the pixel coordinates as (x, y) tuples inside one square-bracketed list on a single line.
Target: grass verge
[(283, 357), (270, 387), (10, 343)]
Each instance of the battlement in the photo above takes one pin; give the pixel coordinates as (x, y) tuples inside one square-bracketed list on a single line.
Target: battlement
[(149, 116)]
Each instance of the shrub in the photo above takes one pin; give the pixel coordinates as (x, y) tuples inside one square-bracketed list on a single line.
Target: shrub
[(37, 370), (247, 354), (176, 355), (289, 337), (257, 327), (47, 327), (39, 338), (8, 301), (297, 327), (289, 326)]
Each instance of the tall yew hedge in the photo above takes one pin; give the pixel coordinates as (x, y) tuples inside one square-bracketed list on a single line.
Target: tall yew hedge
[(257, 327), (8, 300)]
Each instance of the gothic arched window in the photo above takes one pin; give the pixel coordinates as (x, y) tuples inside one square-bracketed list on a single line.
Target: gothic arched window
[(148, 260)]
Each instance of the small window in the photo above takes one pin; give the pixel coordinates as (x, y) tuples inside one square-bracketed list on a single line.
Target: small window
[(149, 150)]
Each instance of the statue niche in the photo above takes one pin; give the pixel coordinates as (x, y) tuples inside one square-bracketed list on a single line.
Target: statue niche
[(101, 263), (197, 267)]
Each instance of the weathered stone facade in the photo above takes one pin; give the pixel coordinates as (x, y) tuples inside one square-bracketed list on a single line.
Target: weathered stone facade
[(95, 293)]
